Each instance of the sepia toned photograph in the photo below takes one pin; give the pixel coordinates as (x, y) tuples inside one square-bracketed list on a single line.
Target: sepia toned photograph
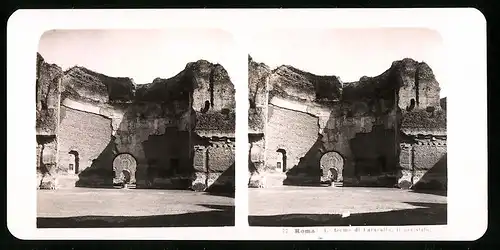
[(347, 127), (135, 128), (141, 123)]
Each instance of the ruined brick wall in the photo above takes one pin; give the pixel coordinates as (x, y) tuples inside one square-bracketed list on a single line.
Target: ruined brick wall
[(258, 74), (429, 163), (423, 163), (48, 94), (257, 150), (417, 83), (86, 133), (157, 123), (428, 87), (293, 131), (361, 121), (214, 166), (223, 89), (160, 142), (221, 160), (294, 83), (220, 157), (213, 86), (47, 148)]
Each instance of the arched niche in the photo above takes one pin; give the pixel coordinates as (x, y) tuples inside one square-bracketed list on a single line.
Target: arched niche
[(332, 164), (125, 166), (281, 160)]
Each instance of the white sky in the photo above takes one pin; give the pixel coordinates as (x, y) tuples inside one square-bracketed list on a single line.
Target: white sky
[(350, 53), (140, 54)]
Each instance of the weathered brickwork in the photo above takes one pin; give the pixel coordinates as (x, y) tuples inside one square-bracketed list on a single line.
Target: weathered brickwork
[(220, 158), (86, 134), (169, 127), (294, 132), (373, 124)]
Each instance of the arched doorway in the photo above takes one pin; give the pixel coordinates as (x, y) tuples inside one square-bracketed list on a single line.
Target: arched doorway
[(74, 162), (124, 165), (126, 176), (281, 160), (332, 164)]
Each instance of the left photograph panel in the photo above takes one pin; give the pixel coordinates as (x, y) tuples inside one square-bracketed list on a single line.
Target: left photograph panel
[(135, 128)]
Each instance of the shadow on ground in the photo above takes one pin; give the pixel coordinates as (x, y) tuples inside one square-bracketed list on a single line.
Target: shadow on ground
[(223, 216), (431, 214)]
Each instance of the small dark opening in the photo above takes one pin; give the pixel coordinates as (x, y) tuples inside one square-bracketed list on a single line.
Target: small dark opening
[(206, 107), (127, 178), (412, 105), (430, 109), (44, 104), (252, 104), (334, 173)]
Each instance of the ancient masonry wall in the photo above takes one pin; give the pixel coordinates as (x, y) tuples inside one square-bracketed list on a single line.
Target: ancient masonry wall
[(47, 154), (160, 143), (423, 163), (48, 95), (83, 133), (214, 165), (360, 129), (291, 131), (102, 117), (257, 151)]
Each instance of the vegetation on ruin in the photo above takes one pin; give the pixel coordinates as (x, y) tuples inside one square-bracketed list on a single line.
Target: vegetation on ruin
[(116, 88), (216, 121), (323, 87), (46, 120), (424, 119), (378, 87), (255, 121)]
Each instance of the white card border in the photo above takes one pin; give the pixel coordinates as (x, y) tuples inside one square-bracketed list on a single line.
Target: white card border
[(464, 35)]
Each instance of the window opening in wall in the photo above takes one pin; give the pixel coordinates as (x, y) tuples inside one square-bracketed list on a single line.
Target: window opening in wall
[(74, 163), (206, 107), (412, 105), (281, 160)]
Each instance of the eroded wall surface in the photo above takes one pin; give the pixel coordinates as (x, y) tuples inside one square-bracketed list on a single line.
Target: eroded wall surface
[(83, 137), (48, 83), (157, 124), (361, 121), (294, 132)]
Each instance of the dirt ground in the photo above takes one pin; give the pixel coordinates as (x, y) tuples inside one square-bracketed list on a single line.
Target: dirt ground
[(91, 207), (344, 206)]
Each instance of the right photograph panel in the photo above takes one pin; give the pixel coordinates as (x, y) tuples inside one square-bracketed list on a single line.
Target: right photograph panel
[(347, 127)]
